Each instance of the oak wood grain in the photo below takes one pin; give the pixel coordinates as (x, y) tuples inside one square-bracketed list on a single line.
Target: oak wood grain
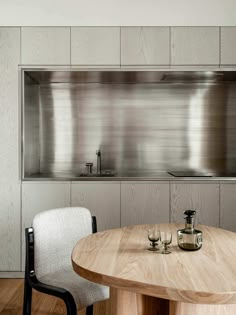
[(45, 45), (10, 185), (119, 258), (204, 198), (11, 298), (228, 206), (95, 46), (228, 46), (127, 303), (195, 46), (144, 203), (102, 199), (180, 308), (145, 46), (38, 197)]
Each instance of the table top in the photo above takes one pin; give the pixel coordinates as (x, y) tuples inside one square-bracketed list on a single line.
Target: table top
[(119, 258)]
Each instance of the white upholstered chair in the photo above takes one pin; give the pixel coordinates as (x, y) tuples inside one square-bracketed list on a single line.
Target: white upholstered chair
[(48, 269)]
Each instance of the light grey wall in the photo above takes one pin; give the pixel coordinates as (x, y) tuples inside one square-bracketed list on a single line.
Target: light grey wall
[(114, 12)]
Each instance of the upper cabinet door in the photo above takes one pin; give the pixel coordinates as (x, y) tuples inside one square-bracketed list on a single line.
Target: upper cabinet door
[(228, 45), (45, 45), (145, 46), (195, 46), (95, 46)]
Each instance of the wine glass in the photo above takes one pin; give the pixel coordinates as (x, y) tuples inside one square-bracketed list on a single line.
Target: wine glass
[(166, 239), (153, 236)]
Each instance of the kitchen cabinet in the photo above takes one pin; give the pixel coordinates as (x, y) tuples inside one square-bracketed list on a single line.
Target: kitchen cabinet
[(144, 203), (10, 186), (45, 45), (95, 46), (145, 46), (228, 45), (113, 203), (202, 197), (195, 46), (101, 198), (38, 197), (228, 207)]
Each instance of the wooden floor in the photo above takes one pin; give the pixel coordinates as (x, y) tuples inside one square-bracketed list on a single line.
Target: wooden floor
[(11, 301)]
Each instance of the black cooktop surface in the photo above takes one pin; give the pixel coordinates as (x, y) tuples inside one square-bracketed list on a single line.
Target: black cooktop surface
[(193, 173), (190, 173)]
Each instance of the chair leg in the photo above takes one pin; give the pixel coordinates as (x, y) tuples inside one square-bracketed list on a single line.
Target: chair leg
[(27, 298), (70, 306), (89, 310)]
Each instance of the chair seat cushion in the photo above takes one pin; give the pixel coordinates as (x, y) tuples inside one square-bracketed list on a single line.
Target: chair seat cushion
[(85, 292)]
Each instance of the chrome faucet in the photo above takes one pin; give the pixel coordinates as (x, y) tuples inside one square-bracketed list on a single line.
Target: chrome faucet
[(99, 162)]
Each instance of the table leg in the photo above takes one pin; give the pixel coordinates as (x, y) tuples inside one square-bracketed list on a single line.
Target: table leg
[(181, 308), (127, 303)]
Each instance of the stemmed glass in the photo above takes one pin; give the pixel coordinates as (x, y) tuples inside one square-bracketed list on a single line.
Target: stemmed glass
[(153, 236), (166, 239)]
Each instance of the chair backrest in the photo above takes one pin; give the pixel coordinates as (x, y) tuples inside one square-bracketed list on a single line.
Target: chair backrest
[(56, 232)]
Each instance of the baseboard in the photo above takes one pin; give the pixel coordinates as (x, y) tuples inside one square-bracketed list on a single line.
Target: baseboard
[(11, 274)]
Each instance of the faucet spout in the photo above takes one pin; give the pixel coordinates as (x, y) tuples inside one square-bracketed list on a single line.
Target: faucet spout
[(99, 161)]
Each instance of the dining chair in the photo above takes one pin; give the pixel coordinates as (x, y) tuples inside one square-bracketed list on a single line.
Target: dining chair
[(48, 267)]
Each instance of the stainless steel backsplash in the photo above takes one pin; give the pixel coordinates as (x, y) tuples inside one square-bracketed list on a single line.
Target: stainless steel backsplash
[(140, 127)]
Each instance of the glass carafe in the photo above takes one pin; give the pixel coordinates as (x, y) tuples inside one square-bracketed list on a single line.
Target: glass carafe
[(189, 238)]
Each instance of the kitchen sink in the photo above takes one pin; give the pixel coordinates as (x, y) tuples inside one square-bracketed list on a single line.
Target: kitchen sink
[(108, 174)]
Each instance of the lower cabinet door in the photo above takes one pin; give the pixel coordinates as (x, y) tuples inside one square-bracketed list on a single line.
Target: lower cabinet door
[(144, 203), (228, 207), (38, 197), (202, 197), (102, 199)]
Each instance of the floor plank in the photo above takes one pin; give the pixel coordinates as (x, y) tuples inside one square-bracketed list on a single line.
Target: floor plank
[(11, 301), (8, 291)]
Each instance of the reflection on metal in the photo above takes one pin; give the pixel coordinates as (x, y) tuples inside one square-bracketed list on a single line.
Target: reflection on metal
[(113, 77), (195, 122), (144, 122)]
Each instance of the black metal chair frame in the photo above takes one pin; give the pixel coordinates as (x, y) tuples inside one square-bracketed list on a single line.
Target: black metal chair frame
[(31, 281)]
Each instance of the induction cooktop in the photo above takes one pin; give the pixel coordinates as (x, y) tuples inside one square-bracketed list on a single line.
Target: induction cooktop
[(190, 173), (195, 173)]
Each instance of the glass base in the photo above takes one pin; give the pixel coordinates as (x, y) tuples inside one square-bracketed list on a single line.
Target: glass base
[(153, 249), (165, 252)]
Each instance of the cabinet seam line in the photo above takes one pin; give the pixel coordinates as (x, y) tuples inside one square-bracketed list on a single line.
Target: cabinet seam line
[(21, 229), (169, 202), (219, 46), (20, 44), (120, 204), (19, 113), (120, 46), (70, 45), (219, 204), (70, 194), (170, 46)]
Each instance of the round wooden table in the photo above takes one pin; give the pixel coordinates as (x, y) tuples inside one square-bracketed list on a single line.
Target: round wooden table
[(145, 282)]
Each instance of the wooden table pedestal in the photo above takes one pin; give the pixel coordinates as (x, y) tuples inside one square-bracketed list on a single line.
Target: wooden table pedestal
[(127, 302)]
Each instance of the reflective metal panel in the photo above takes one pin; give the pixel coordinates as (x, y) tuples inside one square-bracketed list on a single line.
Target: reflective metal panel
[(31, 127), (143, 122)]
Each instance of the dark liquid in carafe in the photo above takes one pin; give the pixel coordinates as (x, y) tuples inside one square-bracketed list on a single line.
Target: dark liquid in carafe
[(189, 246)]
